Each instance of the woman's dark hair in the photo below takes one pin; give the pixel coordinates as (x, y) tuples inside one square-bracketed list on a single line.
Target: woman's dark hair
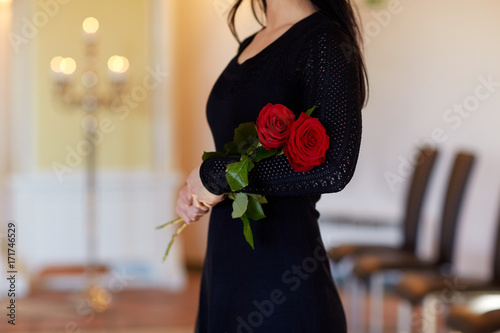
[(342, 12)]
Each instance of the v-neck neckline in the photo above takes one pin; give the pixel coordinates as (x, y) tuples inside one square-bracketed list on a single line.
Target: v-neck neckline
[(270, 46)]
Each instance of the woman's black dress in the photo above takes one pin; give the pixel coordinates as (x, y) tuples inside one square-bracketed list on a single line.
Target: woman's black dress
[(285, 284)]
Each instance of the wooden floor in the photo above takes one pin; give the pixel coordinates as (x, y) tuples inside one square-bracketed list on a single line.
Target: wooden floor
[(132, 311)]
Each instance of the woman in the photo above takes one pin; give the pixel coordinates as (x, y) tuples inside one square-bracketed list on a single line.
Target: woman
[(306, 55)]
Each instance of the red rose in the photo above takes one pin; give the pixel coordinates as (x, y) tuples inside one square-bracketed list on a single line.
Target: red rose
[(273, 125), (307, 144)]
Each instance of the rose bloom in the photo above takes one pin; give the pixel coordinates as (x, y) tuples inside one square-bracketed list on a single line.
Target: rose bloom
[(274, 125), (307, 144)]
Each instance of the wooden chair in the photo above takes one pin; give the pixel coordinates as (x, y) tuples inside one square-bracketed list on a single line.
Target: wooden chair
[(372, 267), (414, 202), (415, 287), (462, 319)]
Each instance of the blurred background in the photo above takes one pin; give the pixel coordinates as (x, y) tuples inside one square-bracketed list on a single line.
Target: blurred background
[(100, 123)]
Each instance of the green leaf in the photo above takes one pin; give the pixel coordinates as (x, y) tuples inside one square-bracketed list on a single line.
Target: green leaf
[(247, 231), (240, 205), (253, 146), (260, 198), (232, 148), (254, 209), (210, 154), (231, 195), (237, 173), (244, 136), (263, 153), (311, 110), (251, 164)]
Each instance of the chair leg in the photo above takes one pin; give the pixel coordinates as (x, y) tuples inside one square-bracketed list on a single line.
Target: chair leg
[(430, 311), (377, 303), (442, 327), (353, 304), (341, 271), (342, 274), (404, 316), (357, 300)]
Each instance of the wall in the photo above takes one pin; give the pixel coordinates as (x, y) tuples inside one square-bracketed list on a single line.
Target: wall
[(5, 21)]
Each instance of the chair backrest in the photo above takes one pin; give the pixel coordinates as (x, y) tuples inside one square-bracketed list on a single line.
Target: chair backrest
[(415, 197), (496, 256), (452, 204)]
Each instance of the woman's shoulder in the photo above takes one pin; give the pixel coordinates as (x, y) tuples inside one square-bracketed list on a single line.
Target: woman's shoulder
[(324, 28), (323, 37), (324, 42)]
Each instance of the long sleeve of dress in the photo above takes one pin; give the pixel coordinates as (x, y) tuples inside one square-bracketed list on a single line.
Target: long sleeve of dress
[(329, 79)]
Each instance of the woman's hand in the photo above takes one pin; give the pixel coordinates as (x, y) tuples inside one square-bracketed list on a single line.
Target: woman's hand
[(185, 208), (200, 196), (194, 199)]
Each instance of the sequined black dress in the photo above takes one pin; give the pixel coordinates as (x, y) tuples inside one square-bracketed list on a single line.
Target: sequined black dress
[(284, 285)]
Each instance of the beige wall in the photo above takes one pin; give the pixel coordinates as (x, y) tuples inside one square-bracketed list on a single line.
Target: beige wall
[(5, 20)]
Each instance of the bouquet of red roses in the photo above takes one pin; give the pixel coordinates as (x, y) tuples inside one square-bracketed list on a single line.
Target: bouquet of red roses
[(304, 142)]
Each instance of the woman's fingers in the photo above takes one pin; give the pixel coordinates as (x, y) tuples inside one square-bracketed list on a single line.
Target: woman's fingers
[(186, 214), (182, 214), (194, 200), (184, 200), (191, 214), (199, 205), (200, 209), (186, 195), (185, 208)]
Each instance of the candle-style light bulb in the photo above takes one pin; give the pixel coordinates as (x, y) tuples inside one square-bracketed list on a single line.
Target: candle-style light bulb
[(55, 64), (55, 67), (68, 66), (118, 64), (118, 67), (90, 26), (62, 68)]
